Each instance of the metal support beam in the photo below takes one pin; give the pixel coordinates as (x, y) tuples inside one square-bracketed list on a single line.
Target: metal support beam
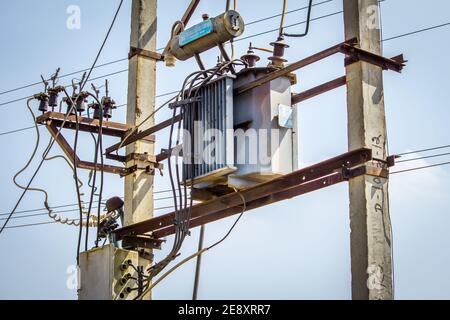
[(142, 134), (348, 48), (110, 128), (279, 189), (293, 67), (313, 92), (68, 151)]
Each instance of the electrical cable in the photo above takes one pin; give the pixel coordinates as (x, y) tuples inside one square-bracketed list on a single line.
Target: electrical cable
[(184, 261), (423, 150), (33, 154), (93, 174), (76, 204), (283, 14), (100, 144), (75, 164), (198, 264), (67, 211), (62, 126), (422, 168), (250, 23), (423, 158), (308, 20), (182, 209), (126, 59)]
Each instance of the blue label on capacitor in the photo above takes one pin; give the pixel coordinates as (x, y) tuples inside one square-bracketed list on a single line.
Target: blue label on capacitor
[(196, 32)]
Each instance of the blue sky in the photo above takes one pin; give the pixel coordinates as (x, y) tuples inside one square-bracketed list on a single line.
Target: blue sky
[(298, 249)]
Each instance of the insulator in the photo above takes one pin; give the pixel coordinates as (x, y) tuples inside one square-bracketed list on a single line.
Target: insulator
[(53, 97), (43, 102), (108, 106), (97, 112), (53, 100), (71, 111), (251, 58), (279, 47), (81, 103)]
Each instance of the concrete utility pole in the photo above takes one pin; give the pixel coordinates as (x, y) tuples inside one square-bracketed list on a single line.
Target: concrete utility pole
[(102, 269), (140, 105), (371, 251)]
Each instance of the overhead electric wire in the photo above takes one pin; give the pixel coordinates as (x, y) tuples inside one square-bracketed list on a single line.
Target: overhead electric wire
[(67, 211), (76, 204), (63, 76), (94, 173), (308, 20), (62, 125), (423, 150), (422, 168), (68, 86), (240, 39), (197, 254), (423, 158), (417, 31), (126, 59)]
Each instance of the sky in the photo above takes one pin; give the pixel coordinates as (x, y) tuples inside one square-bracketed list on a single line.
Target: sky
[(297, 249)]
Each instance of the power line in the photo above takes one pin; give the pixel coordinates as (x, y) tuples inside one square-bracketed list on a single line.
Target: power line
[(289, 26), (66, 211), (423, 158), (392, 173), (53, 140), (54, 222), (241, 39), (63, 76), (245, 38), (417, 31), (76, 204), (16, 131), (125, 59), (67, 86), (174, 92), (287, 12), (424, 150), (422, 168), (160, 49)]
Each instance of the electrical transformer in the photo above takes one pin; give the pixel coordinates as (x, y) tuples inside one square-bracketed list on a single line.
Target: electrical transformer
[(240, 140)]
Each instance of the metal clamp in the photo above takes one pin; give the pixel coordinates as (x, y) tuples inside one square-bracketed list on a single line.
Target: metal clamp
[(365, 170), (146, 242), (184, 102)]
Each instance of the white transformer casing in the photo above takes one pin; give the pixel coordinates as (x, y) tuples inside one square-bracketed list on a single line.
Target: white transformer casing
[(267, 111), (259, 132)]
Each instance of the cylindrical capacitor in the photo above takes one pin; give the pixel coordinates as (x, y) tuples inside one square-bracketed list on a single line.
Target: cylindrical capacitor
[(206, 35)]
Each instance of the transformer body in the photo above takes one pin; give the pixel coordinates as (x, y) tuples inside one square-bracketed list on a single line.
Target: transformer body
[(266, 130), (237, 141)]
